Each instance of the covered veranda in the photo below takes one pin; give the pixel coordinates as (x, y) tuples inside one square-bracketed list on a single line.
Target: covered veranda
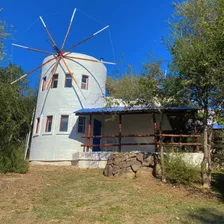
[(125, 129)]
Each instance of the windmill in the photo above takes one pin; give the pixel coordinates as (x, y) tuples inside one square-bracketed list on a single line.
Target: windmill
[(60, 54), (57, 130)]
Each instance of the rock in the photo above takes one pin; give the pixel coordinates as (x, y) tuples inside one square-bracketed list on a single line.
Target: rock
[(116, 168), (119, 164), (119, 173), (109, 161), (157, 170), (132, 155), (136, 165), (126, 172), (130, 161), (149, 161), (108, 171), (125, 157), (146, 163), (129, 173), (144, 172), (139, 157), (123, 165), (117, 161)]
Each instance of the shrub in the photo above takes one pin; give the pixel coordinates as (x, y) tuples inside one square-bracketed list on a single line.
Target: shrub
[(180, 172), (12, 160)]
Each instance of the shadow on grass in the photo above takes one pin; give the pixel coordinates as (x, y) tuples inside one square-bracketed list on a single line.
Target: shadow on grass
[(207, 215), (218, 183)]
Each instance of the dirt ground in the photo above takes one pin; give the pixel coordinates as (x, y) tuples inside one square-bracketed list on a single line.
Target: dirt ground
[(51, 194)]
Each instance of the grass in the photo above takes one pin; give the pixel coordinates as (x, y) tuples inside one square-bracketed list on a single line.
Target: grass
[(69, 195)]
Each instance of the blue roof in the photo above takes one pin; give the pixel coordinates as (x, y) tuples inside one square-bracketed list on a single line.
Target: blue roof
[(218, 126), (102, 110)]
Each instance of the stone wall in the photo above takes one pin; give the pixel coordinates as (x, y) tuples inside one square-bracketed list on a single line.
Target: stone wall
[(130, 164)]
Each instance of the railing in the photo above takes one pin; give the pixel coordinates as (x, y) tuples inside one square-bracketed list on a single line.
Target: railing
[(156, 141)]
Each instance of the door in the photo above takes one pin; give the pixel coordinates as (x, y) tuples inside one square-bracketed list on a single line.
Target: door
[(96, 132)]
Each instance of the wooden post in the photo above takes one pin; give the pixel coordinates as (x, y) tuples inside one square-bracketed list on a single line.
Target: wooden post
[(89, 132), (195, 132), (155, 132), (120, 132)]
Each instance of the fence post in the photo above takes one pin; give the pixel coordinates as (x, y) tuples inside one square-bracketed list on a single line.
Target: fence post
[(120, 132), (89, 132)]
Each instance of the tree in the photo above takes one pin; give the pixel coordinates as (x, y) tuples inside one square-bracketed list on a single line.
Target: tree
[(16, 105), (145, 89), (196, 43), (3, 36)]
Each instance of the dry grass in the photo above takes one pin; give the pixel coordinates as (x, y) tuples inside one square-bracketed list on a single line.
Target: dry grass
[(69, 195)]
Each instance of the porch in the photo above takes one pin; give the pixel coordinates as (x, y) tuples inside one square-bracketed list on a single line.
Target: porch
[(137, 129)]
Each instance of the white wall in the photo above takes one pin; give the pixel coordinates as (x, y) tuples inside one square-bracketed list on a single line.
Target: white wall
[(131, 124), (65, 101)]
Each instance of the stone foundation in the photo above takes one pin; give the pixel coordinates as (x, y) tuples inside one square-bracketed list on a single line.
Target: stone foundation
[(131, 165)]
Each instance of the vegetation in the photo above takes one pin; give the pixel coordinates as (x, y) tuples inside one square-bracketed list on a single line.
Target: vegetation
[(181, 172), (70, 195), (3, 35), (218, 150), (196, 45), (16, 106)]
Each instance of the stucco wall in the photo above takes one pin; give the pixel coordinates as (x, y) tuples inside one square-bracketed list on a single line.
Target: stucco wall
[(65, 101), (131, 124)]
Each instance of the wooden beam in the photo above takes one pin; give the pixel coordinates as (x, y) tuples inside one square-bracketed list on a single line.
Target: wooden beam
[(89, 132), (155, 132), (122, 144), (142, 136), (120, 132), (117, 136), (195, 132), (180, 135), (181, 144)]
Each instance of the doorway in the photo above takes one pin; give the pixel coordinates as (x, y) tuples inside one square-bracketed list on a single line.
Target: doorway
[(96, 132)]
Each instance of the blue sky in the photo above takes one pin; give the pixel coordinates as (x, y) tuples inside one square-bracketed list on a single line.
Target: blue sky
[(136, 29)]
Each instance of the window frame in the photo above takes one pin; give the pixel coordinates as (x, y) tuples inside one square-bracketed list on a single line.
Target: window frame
[(37, 129), (70, 77), (53, 79), (83, 125), (64, 115), (86, 84), (43, 84), (47, 124)]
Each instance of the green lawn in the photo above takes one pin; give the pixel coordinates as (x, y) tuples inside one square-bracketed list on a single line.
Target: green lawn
[(69, 195)]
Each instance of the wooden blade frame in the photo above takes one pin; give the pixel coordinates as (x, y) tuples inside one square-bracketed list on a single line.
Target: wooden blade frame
[(47, 31), (53, 72), (92, 60), (33, 70), (77, 44), (33, 49), (69, 27)]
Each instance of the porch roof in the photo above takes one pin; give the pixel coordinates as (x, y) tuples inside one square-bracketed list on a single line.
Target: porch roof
[(218, 126), (132, 110)]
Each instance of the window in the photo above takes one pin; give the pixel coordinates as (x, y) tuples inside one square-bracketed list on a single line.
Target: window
[(85, 82), (81, 124), (49, 124), (64, 123), (37, 125), (68, 81), (44, 83), (54, 83)]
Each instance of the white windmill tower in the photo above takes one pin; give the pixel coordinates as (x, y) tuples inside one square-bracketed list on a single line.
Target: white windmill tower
[(69, 81)]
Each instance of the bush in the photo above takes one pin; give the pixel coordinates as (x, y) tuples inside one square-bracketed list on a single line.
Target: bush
[(180, 172), (12, 160)]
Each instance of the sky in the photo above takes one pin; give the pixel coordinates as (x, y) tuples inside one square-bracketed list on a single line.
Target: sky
[(136, 29)]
